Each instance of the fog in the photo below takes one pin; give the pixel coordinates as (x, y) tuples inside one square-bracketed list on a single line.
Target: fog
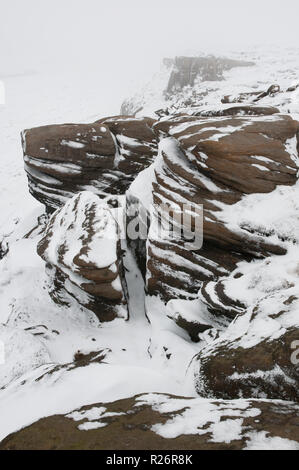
[(128, 36)]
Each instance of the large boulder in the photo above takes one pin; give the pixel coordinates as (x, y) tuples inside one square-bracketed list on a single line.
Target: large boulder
[(81, 248), (214, 164), (257, 355), (104, 157)]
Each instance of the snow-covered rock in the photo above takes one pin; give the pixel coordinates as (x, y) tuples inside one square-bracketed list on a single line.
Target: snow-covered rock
[(229, 142), (217, 165), (256, 355), (104, 157), (164, 422), (81, 248)]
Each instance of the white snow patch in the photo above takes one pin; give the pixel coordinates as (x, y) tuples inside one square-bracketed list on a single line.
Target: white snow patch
[(261, 441), (73, 144)]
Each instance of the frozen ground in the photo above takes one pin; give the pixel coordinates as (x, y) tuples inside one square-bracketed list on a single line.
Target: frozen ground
[(39, 377)]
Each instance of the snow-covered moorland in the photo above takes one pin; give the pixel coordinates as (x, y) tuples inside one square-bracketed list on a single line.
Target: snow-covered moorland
[(187, 314)]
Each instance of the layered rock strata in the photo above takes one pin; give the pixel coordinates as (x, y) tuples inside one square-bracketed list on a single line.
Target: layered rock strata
[(214, 164), (104, 157)]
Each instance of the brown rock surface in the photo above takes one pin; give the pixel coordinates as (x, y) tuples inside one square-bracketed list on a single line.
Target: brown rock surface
[(62, 160), (135, 140), (135, 425), (215, 163), (257, 354), (264, 370)]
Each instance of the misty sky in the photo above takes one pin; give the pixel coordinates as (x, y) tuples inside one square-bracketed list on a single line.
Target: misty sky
[(122, 35)]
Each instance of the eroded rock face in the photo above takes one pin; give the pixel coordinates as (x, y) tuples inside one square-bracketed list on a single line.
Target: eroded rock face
[(144, 422), (135, 140), (62, 160), (187, 69), (177, 83), (82, 252), (216, 163)]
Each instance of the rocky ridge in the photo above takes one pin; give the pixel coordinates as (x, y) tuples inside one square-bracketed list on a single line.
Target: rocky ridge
[(212, 163), (231, 302)]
